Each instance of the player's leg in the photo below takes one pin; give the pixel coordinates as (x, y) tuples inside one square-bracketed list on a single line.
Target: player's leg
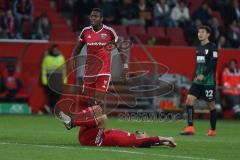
[(102, 84), (213, 118), (92, 136), (90, 117), (190, 108), (125, 139), (194, 93), (210, 97), (89, 86), (168, 141)]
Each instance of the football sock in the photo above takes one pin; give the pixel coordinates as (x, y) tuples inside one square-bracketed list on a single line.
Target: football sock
[(213, 119), (190, 115)]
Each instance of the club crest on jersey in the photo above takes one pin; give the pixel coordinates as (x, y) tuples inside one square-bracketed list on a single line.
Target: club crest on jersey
[(200, 59), (206, 51), (103, 36)]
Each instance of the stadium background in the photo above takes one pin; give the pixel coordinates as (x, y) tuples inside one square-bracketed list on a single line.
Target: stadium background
[(171, 46), (167, 45)]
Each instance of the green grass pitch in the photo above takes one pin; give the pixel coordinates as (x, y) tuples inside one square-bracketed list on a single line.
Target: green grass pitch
[(45, 138)]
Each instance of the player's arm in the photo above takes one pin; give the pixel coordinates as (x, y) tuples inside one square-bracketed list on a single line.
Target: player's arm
[(213, 62), (123, 54), (80, 43), (77, 49)]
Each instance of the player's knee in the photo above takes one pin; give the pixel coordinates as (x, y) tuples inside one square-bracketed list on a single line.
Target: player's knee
[(211, 105), (97, 110), (102, 119), (190, 100)]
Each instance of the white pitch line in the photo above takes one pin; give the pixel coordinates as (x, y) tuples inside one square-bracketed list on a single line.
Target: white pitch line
[(106, 150)]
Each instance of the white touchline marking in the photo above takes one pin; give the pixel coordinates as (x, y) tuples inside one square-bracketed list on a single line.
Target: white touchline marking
[(105, 150)]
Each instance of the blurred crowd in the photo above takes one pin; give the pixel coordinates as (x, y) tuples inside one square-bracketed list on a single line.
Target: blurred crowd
[(17, 21), (167, 13), (230, 81)]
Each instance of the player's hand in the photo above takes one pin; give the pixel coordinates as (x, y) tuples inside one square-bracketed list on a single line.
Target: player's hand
[(200, 77), (124, 75)]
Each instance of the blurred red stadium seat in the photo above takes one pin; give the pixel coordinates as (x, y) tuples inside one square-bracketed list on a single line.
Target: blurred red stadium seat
[(156, 31), (27, 29), (1, 3), (60, 4), (194, 5), (176, 36), (136, 30), (144, 38), (120, 30), (63, 36), (219, 17)]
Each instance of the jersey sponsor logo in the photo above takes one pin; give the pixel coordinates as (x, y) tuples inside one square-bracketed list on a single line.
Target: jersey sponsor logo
[(215, 54), (105, 84), (200, 59), (103, 35), (206, 51), (96, 44)]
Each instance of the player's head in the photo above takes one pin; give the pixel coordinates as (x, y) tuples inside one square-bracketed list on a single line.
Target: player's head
[(54, 50), (204, 33), (10, 68), (96, 17), (233, 64)]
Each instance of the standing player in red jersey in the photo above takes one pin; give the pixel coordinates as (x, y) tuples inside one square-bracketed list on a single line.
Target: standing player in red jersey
[(98, 68), (98, 38), (93, 132)]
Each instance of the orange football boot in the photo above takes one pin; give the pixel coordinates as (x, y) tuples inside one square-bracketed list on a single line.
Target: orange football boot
[(188, 131), (211, 133)]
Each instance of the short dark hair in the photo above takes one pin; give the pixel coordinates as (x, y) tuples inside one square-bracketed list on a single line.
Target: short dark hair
[(98, 10), (233, 60), (208, 29), (54, 46)]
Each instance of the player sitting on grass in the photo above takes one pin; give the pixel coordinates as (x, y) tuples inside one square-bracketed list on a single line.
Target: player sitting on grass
[(92, 132)]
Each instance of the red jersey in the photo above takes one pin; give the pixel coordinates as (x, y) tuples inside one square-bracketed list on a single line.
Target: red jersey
[(98, 56)]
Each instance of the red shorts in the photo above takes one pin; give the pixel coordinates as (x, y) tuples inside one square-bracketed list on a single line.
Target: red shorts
[(115, 137), (90, 136), (99, 83)]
